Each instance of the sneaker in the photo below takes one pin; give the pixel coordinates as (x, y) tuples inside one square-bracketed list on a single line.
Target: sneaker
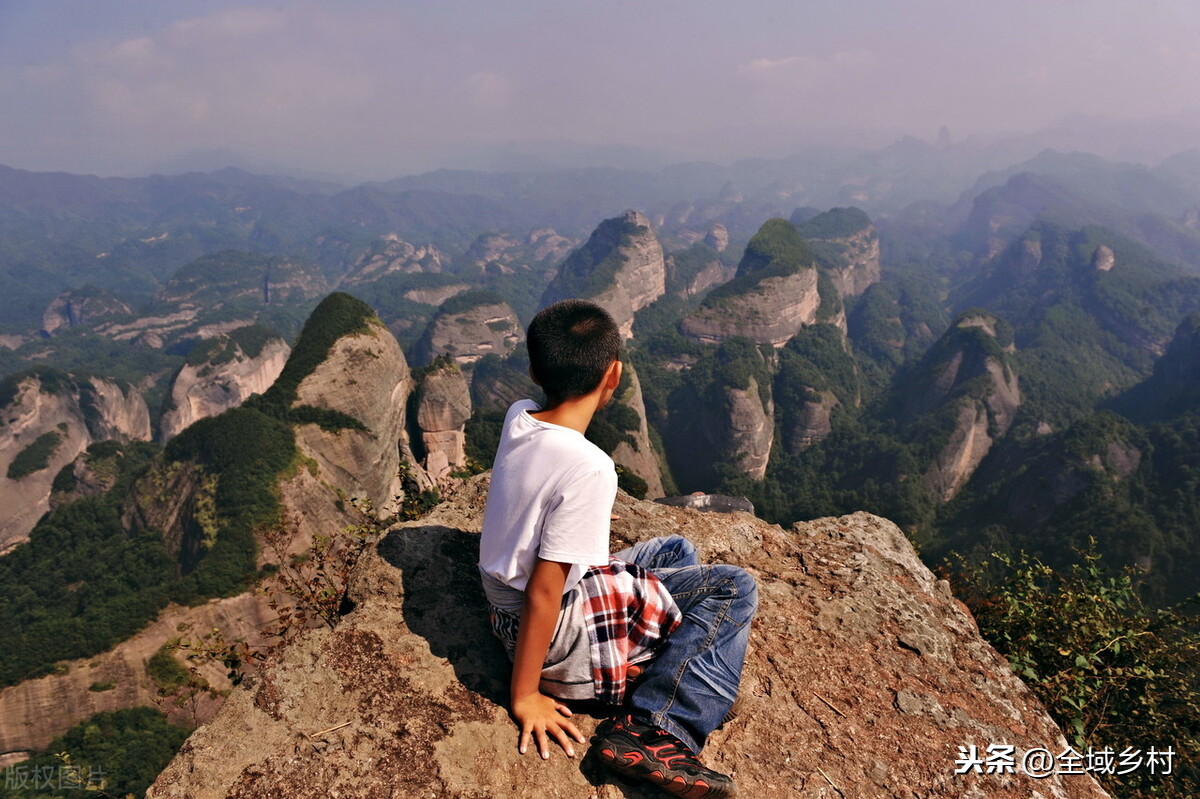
[(645, 752)]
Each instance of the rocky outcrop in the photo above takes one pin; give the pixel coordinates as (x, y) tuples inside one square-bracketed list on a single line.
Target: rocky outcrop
[(47, 419), (233, 277), (222, 377), (637, 453), (505, 253), (435, 295), (365, 377), (1103, 259), (812, 422), (360, 376), (33, 712), (774, 294), (857, 653), (82, 307), (769, 312), (390, 254), (847, 247), (741, 430), (468, 326), (1174, 387), (620, 268), (713, 503), (717, 237), (969, 381), (443, 408)]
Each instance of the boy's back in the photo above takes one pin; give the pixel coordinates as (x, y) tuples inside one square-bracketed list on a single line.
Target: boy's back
[(551, 496)]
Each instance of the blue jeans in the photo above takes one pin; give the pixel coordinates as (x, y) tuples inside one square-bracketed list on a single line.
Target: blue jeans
[(688, 688)]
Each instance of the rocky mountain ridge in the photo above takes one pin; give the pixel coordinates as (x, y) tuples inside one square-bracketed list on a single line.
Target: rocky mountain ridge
[(858, 655)]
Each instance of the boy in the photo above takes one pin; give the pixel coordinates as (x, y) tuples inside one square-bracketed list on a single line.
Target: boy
[(574, 620)]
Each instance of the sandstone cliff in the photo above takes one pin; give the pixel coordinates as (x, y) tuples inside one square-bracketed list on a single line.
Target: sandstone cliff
[(966, 386), (846, 245), (81, 307), (220, 376), (46, 419), (232, 277), (863, 678), (390, 254), (364, 376), (774, 294), (470, 325), (506, 253), (637, 454), (443, 408), (620, 268)]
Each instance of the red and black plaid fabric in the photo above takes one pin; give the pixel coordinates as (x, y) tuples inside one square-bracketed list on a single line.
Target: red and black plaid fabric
[(628, 613)]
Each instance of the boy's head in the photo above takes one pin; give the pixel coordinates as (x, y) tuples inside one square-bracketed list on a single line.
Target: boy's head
[(572, 344)]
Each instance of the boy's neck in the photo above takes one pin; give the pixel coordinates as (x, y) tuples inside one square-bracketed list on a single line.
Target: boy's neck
[(575, 413)]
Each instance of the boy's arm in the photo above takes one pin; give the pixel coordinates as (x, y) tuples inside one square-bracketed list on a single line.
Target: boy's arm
[(536, 714)]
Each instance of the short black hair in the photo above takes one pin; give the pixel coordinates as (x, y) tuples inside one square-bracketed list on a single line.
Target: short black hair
[(571, 343)]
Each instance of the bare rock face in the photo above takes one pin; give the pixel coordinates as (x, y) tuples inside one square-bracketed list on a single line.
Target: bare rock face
[(469, 326), (443, 408), (717, 237), (1103, 259), (390, 254), (620, 268), (857, 654), (769, 313), (773, 295), (366, 377), (847, 246), (81, 308), (743, 430), (33, 712), (812, 422), (638, 457), (968, 375), (222, 380), (435, 296), (49, 420), (214, 281)]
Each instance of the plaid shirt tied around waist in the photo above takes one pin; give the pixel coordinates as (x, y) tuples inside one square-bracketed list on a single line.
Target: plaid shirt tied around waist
[(628, 614)]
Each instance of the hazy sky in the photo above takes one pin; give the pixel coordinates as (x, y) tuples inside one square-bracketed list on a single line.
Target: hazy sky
[(381, 88)]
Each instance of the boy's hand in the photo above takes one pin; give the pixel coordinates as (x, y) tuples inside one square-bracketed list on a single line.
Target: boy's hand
[(539, 715)]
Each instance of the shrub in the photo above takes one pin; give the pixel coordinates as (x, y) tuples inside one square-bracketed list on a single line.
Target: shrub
[(1112, 671)]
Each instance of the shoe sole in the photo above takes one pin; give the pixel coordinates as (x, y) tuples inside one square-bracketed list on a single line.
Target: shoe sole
[(632, 764)]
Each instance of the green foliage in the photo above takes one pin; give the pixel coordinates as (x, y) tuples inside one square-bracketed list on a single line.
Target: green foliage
[(336, 316), (115, 754), (836, 223), (247, 451), (1113, 672), (469, 300), (165, 671), (35, 456), (631, 484), (79, 585), (250, 339), (483, 431), (101, 687), (53, 381), (776, 250)]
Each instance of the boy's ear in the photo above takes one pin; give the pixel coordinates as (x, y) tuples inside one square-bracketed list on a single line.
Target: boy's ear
[(613, 375)]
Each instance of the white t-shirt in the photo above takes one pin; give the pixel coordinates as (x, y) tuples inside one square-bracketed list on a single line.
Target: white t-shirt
[(551, 496)]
